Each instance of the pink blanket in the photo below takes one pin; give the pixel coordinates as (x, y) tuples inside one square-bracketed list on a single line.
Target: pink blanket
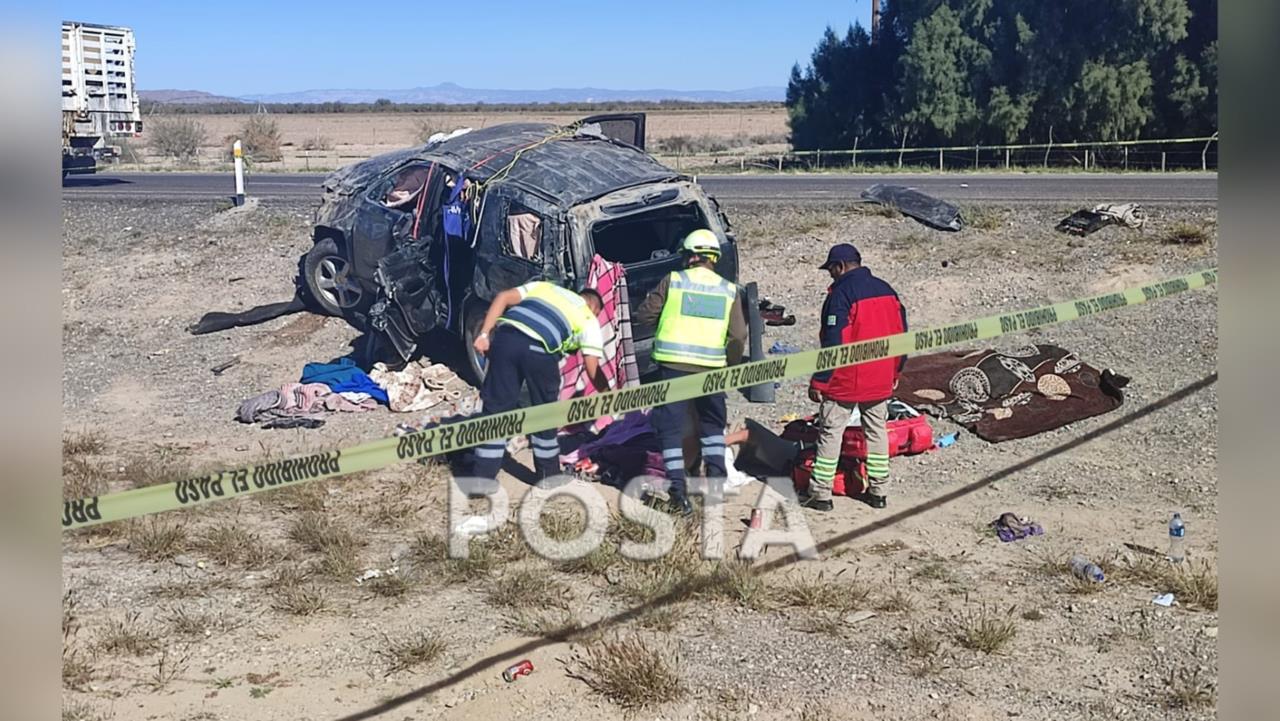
[(619, 364)]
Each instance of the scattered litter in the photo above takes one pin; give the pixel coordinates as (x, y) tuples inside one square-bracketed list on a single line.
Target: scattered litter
[(1010, 527), (515, 671), (947, 441), (1210, 631), (235, 279), (473, 526), (1147, 550), (932, 212), (756, 522), (218, 369), (1165, 600), (964, 185), (859, 617), (373, 573), (1085, 222), (1085, 569), (789, 417), (288, 422), (784, 347)]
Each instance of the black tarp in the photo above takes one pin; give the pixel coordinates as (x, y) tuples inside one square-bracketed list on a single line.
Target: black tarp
[(934, 213)]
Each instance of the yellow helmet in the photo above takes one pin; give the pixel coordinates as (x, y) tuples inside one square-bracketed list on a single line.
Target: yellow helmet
[(702, 242)]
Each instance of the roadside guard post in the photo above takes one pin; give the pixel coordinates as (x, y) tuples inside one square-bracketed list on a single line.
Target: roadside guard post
[(239, 158)]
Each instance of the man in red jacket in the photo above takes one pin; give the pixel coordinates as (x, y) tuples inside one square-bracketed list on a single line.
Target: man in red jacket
[(859, 307)]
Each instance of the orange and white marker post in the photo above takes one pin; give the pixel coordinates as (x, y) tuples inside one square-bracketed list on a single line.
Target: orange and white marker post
[(238, 154)]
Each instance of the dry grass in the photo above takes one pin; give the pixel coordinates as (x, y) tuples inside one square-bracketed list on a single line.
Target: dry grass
[(181, 590), (232, 545), (77, 666), (737, 582), (294, 594), (161, 465), (1186, 234), (337, 545), (897, 602), (128, 636), (156, 540), (537, 622), (182, 622), (168, 668), (820, 592), (1192, 584), (985, 629), (877, 210), (631, 673), (410, 651), (1191, 688), (82, 478), (921, 642), (981, 217), (934, 571), (528, 588), (80, 711), (305, 497), (89, 443), (390, 585)]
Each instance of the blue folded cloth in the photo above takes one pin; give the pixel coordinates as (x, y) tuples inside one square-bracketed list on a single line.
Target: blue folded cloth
[(343, 376)]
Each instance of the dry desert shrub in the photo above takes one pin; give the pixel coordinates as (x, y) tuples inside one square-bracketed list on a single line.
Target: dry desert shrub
[(985, 629), (410, 651), (631, 673), (178, 137)]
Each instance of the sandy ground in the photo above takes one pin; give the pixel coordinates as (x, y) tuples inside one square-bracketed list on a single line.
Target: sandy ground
[(330, 140), (211, 614)]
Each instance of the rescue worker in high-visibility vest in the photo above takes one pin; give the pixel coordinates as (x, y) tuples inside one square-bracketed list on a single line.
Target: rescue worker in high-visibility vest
[(526, 332), (701, 326)]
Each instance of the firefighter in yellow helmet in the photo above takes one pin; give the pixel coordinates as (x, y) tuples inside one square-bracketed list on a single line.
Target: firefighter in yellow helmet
[(701, 326)]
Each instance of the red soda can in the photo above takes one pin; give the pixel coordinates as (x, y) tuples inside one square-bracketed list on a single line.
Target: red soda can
[(511, 673), (757, 519)]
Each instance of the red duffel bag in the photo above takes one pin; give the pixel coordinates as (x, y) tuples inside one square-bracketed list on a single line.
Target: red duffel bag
[(907, 436)]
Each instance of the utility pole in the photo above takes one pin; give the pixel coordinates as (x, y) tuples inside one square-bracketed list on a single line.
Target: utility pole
[(875, 20)]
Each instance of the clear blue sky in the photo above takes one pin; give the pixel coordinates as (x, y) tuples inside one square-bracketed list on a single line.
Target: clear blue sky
[(237, 47)]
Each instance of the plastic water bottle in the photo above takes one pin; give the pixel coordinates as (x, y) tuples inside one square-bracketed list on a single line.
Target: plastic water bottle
[(1086, 569), (1177, 539)]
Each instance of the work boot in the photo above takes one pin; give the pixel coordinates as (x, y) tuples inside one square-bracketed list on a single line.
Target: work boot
[(679, 504), (875, 500), (817, 504)]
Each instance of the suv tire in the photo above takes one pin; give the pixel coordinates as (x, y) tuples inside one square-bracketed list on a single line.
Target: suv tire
[(327, 281), (473, 317)]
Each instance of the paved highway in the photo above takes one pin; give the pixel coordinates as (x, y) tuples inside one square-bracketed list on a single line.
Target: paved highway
[(958, 187)]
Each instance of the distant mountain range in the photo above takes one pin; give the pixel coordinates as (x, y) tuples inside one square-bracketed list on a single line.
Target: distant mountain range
[(451, 93)]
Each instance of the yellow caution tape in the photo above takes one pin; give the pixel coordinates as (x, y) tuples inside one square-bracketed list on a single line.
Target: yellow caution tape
[(443, 439)]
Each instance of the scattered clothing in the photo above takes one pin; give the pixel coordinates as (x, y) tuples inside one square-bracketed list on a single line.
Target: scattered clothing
[(1010, 394), (299, 400), (292, 422), (782, 347), (619, 363), (217, 321), (1087, 222), (343, 376), (419, 386), (934, 213), (1009, 527)]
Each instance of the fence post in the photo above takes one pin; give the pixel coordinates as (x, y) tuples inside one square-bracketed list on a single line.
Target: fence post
[(1006, 158), (742, 162), (975, 157), (1086, 158), (779, 162), (819, 158), (1162, 159), (1126, 158), (855, 152), (939, 160)]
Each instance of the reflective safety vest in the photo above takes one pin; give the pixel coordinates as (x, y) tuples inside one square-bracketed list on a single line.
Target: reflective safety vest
[(694, 325), (552, 315)]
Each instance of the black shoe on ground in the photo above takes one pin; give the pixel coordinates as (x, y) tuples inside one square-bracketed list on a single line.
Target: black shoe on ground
[(874, 500), (808, 501), (679, 505)]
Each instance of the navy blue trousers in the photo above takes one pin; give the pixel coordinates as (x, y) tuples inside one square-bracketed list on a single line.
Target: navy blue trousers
[(515, 361), (670, 421)]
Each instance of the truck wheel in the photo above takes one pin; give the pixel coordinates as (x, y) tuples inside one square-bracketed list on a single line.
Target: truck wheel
[(326, 273), (472, 319)]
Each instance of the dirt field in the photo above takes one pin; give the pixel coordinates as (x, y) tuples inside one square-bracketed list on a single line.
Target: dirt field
[(248, 609), (331, 140)]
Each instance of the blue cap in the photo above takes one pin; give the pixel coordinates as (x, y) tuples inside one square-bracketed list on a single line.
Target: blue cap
[(842, 253)]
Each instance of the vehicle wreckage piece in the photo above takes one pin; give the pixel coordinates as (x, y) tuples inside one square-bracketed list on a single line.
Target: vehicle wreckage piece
[(934, 213)]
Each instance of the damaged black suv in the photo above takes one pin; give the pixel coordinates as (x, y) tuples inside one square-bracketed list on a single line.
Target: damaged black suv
[(422, 239)]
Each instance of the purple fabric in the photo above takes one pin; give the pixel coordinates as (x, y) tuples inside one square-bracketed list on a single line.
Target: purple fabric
[(618, 433), (1007, 534)]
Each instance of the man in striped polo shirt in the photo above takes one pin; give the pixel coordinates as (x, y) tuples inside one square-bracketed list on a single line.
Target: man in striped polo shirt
[(526, 332)]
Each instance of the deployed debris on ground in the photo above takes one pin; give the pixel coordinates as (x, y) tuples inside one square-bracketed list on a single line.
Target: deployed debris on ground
[(1086, 222), (937, 214)]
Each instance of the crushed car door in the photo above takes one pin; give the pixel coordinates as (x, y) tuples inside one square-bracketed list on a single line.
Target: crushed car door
[(519, 240), (625, 127), (411, 299)]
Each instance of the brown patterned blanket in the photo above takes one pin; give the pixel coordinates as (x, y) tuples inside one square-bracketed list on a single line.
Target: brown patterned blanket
[(1000, 395)]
